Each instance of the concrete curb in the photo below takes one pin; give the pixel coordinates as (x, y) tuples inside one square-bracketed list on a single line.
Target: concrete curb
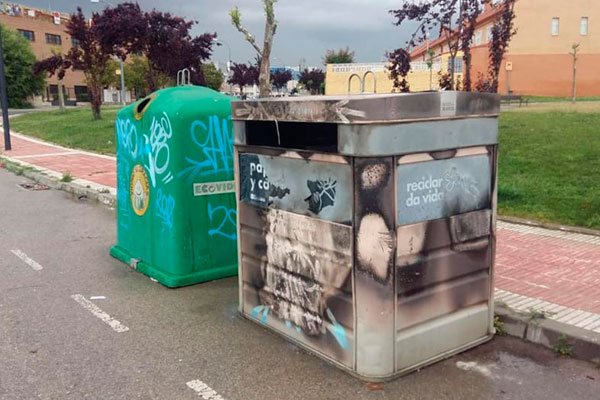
[(585, 345), (78, 191), (548, 225)]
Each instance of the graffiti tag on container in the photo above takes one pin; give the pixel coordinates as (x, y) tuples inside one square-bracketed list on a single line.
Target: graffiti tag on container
[(216, 143), (165, 205), (322, 194), (159, 154), (225, 218)]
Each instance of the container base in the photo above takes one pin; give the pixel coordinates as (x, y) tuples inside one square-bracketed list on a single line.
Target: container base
[(170, 280), (386, 378)]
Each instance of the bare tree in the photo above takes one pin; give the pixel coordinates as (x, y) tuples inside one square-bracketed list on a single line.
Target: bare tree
[(574, 53), (502, 31), (447, 15), (264, 53)]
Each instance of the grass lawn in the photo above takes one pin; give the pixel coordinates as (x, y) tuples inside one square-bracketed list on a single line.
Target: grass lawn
[(74, 127), (549, 166), (549, 159), (543, 99)]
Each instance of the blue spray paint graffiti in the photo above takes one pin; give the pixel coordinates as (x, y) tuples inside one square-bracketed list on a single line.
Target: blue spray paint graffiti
[(153, 148), (227, 219), (123, 169), (157, 148), (337, 330), (165, 205), (256, 311), (216, 142), (128, 139)]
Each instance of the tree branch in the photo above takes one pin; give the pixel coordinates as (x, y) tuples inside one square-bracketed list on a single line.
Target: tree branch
[(236, 21)]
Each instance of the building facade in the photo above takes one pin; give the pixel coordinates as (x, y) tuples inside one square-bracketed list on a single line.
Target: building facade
[(46, 31), (374, 77), (538, 62)]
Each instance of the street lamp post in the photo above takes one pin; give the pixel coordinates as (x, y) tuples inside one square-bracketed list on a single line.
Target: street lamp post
[(218, 41), (120, 59), (4, 99)]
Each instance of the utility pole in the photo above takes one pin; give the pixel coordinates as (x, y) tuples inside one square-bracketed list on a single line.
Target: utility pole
[(4, 98)]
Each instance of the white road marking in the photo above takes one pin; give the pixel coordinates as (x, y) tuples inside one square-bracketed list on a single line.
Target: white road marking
[(91, 307), (204, 390), (25, 258), (97, 297)]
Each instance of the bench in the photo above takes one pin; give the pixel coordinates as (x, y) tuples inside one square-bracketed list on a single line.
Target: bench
[(515, 97)]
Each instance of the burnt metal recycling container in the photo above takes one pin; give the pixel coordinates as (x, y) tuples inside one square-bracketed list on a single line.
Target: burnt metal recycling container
[(367, 224), (176, 208)]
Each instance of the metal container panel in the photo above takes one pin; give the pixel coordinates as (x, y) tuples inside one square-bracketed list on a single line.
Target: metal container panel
[(318, 189), (441, 337), (374, 266), (296, 270), (364, 109), (412, 137), (442, 266), (440, 188)]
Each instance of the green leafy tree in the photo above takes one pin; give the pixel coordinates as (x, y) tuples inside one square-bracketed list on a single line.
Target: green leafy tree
[(21, 81), (110, 78), (342, 56), (213, 77), (137, 71)]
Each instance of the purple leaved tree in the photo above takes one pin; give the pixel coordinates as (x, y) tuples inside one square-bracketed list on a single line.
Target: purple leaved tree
[(280, 78), (313, 80), (243, 75), (164, 39)]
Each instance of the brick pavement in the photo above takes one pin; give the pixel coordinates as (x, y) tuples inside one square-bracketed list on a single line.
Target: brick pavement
[(88, 167), (556, 267)]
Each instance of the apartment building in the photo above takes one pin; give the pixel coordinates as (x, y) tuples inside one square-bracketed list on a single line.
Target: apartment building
[(46, 30), (539, 60)]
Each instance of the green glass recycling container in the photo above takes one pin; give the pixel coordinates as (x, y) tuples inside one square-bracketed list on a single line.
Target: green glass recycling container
[(176, 207)]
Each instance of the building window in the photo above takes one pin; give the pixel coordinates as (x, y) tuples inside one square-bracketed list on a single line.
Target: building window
[(29, 35), (583, 29), (53, 39), (488, 33), (458, 64), (555, 26), (75, 43), (477, 38), (81, 93)]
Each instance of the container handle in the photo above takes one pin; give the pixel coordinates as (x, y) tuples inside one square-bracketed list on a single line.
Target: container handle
[(184, 77)]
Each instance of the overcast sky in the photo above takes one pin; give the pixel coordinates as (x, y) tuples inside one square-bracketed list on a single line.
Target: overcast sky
[(307, 28)]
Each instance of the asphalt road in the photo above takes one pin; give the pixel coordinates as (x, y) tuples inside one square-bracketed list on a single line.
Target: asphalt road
[(54, 247)]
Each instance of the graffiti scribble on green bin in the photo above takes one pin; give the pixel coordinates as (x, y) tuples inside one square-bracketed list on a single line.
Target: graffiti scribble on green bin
[(175, 193)]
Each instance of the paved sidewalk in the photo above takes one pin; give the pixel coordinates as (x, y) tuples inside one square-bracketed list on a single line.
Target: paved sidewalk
[(548, 269), (94, 170)]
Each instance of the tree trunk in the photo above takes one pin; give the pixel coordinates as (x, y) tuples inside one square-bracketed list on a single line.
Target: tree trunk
[(467, 72), (264, 76), (96, 100), (151, 78), (61, 95), (574, 87)]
